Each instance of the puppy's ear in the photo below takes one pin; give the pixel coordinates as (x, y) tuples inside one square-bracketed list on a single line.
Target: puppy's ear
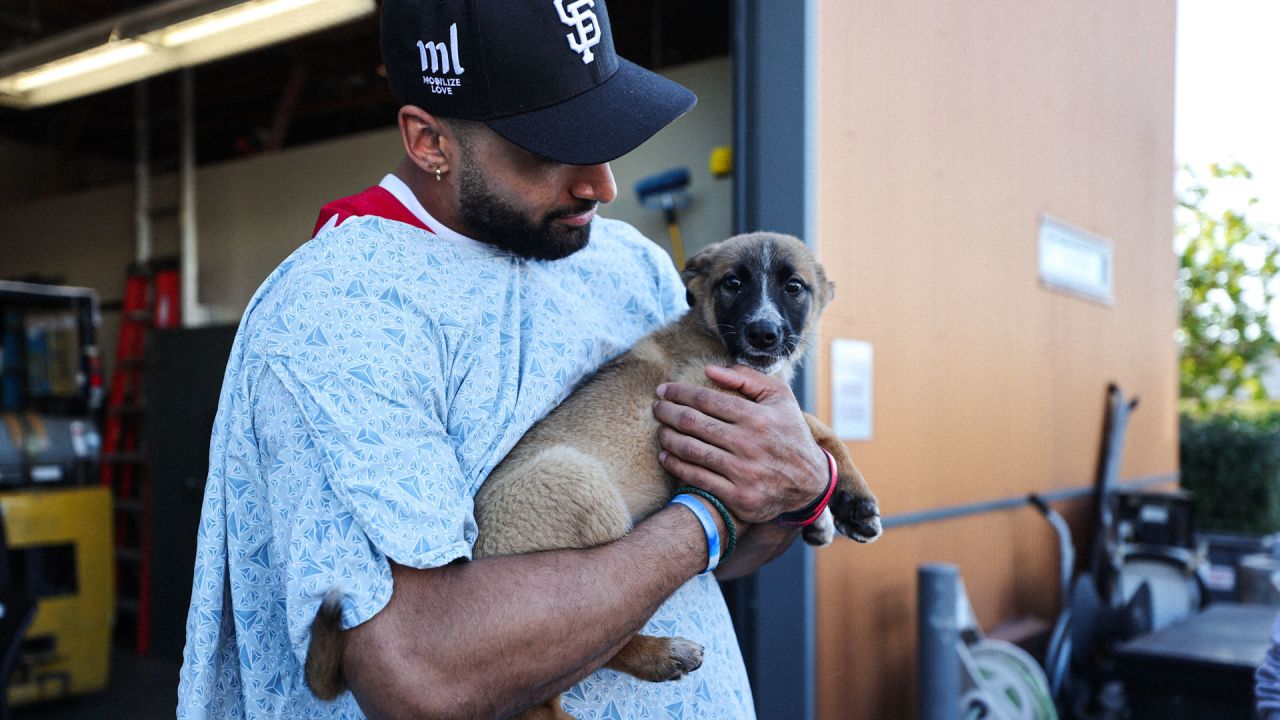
[(696, 269), (826, 288), (700, 263)]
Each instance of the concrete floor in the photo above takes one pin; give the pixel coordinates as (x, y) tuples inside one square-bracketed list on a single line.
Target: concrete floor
[(140, 688)]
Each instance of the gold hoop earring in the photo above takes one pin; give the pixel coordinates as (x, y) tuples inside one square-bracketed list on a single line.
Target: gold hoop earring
[(437, 174)]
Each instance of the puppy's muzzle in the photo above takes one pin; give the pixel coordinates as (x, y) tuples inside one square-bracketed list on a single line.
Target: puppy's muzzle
[(764, 336)]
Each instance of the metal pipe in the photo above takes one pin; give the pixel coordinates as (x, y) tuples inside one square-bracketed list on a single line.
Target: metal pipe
[(190, 250), (939, 670), (743, 73), (952, 512), (805, 384), (142, 174)]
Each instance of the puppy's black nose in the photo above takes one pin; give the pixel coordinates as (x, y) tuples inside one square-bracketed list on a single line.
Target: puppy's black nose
[(762, 335)]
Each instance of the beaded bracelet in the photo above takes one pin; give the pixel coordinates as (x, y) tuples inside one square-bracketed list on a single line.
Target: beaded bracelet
[(724, 515)]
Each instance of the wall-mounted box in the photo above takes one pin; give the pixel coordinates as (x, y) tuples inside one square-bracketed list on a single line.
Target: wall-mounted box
[(851, 383), (1075, 262)]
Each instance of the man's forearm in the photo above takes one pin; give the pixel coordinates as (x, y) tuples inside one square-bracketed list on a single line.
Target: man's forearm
[(497, 635)]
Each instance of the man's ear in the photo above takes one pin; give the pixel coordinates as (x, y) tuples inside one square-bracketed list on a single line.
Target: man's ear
[(423, 135)]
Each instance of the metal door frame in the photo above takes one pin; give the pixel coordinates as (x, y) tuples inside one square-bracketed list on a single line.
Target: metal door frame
[(773, 54)]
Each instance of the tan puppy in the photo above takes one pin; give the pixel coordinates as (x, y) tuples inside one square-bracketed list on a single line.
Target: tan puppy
[(586, 473)]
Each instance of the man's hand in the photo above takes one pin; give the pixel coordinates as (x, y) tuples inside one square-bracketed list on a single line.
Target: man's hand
[(753, 450)]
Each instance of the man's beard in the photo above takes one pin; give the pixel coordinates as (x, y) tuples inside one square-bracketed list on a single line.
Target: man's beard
[(498, 223)]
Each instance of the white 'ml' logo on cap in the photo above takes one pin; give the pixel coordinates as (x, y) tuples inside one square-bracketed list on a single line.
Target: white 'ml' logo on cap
[(582, 19), (435, 56)]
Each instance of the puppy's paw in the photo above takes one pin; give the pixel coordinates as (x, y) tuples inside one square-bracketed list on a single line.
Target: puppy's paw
[(678, 658), (683, 657), (657, 659), (857, 517), (820, 532)]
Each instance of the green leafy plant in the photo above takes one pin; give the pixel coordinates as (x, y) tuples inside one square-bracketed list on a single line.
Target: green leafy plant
[(1225, 291), (1231, 462), (1230, 430)]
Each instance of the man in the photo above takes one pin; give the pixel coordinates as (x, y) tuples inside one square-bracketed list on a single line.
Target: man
[(387, 366), (1267, 679)]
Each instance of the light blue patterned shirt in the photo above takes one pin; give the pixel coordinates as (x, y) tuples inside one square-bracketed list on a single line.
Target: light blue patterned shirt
[(378, 376), (1267, 678)]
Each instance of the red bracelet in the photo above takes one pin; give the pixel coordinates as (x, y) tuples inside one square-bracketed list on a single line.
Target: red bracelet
[(809, 514)]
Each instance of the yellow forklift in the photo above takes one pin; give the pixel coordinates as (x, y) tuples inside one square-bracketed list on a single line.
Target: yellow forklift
[(56, 517)]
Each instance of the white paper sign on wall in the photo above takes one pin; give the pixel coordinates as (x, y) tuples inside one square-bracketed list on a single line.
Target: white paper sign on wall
[(851, 388), (1075, 262)]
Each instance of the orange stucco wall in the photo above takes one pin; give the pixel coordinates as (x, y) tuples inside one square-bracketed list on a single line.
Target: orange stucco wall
[(945, 130)]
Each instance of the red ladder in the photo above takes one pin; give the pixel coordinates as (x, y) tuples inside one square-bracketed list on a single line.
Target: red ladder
[(151, 300)]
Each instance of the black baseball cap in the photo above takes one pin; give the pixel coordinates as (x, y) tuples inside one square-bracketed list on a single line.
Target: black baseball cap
[(541, 73)]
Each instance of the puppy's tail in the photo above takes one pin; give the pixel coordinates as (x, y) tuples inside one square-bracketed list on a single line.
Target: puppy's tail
[(324, 654)]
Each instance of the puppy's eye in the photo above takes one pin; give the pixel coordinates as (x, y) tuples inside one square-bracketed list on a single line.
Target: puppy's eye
[(731, 283), (794, 287)]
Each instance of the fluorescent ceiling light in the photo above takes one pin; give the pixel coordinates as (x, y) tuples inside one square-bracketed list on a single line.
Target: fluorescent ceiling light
[(232, 18), (99, 58), (158, 39)]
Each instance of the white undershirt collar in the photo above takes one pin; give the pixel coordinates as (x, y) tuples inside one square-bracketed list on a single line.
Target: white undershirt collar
[(401, 191)]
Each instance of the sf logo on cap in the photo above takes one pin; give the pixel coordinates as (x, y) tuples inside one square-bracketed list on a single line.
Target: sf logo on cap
[(582, 19)]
